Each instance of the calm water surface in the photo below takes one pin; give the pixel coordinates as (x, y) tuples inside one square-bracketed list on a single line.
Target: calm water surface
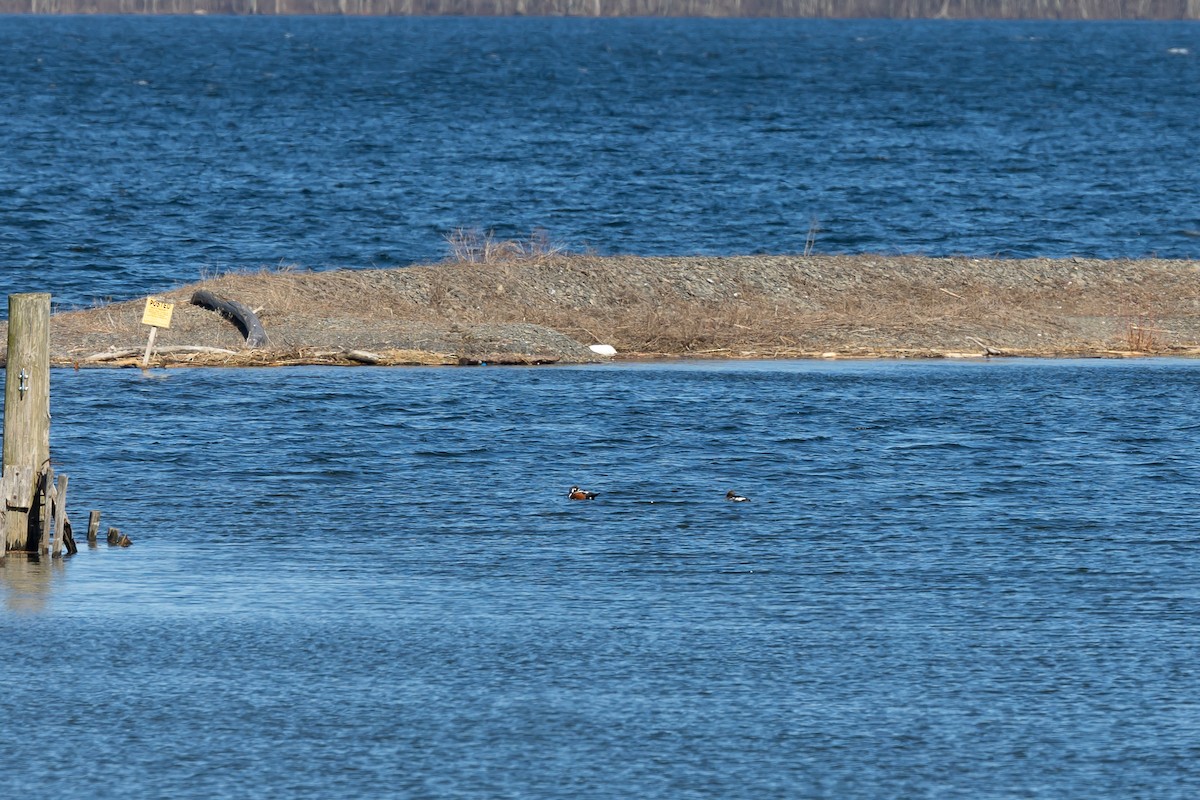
[(974, 581), (142, 153)]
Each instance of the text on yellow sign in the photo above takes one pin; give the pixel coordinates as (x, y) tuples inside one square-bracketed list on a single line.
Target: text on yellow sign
[(157, 313)]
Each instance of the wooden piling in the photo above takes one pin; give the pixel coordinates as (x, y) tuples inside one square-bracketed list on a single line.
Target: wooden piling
[(69, 537), (26, 414), (60, 515), (93, 527), (45, 496)]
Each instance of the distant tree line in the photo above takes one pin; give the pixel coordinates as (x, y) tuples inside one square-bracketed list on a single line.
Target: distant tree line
[(945, 9)]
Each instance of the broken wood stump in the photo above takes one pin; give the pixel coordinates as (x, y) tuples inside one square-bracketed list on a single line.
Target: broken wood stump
[(69, 537)]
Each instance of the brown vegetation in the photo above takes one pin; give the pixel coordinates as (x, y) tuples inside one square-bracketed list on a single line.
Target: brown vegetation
[(947, 9), (549, 307)]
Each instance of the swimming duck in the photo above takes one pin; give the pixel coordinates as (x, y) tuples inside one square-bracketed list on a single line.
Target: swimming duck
[(579, 494), (734, 497)]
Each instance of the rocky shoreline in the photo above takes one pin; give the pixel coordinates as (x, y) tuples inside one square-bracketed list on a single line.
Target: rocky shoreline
[(550, 309)]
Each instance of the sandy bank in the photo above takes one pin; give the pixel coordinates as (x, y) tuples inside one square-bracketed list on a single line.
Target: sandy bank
[(549, 309)]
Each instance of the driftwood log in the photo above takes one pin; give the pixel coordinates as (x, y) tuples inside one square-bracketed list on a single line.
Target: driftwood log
[(117, 355), (239, 314)]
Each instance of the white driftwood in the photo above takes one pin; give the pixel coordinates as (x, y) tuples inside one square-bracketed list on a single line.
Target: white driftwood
[(113, 355), (363, 357)]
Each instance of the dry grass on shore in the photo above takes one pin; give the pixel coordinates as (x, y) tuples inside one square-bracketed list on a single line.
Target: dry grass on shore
[(697, 305), (749, 306)]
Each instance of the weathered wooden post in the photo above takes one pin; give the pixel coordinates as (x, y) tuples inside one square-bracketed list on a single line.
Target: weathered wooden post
[(60, 516), (26, 417), (45, 499), (93, 527)]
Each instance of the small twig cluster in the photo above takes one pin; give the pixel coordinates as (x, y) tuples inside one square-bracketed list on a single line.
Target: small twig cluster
[(1142, 337), (475, 246), (810, 241)]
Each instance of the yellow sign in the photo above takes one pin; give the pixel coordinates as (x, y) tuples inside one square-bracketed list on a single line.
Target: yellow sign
[(157, 313)]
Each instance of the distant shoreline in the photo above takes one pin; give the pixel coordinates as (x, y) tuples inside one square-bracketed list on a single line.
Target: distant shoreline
[(798, 9)]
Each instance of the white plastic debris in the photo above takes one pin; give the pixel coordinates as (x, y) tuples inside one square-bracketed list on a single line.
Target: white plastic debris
[(603, 349)]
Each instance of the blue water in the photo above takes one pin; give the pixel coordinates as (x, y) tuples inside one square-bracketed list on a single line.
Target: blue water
[(142, 153), (952, 581)]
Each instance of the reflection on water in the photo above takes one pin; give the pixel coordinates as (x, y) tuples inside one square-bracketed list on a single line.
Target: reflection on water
[(27, 580)]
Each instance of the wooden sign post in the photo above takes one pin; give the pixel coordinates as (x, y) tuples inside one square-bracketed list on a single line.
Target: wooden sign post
[(157, 315)]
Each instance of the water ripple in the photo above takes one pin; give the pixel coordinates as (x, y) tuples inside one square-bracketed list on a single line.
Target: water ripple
[(147, 152)]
